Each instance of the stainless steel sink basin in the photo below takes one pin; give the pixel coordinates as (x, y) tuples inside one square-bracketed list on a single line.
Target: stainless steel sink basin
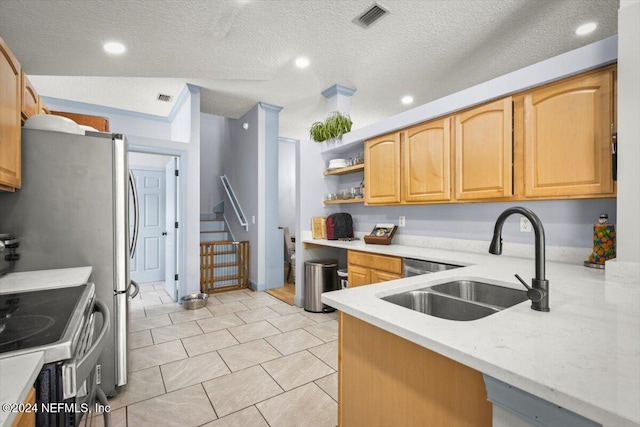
[(459, 300), (482, 292), (440, 306)]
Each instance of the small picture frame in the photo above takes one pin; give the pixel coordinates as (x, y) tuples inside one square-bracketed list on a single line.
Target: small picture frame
[(381, 234)]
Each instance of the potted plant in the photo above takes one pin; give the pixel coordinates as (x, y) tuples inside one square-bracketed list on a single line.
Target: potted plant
[(332, 129)]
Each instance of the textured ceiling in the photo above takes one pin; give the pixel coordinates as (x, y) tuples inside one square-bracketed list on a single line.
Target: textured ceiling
[(242, 51)]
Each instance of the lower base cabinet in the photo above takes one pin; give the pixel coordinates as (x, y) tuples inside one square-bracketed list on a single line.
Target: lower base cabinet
[(27, 419), (387, 381), (366, 268)]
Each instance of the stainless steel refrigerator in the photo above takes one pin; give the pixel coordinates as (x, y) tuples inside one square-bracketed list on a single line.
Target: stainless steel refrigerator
[(71, 212)]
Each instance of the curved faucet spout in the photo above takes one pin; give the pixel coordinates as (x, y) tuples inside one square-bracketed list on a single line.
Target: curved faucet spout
[(540, 284)]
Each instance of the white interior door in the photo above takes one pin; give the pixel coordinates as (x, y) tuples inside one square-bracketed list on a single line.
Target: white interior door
[(171, 259), (149, 259)]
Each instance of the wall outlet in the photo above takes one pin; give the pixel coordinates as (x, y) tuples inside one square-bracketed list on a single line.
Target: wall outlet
[(253, 219), (401, 222), (525, 225)]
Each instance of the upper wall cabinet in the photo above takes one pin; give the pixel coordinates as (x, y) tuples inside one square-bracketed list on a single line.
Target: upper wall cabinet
[(10, 86), (426, 162), (484, 151), (382, 170), (30, 98), (567, 137), (96, 122)]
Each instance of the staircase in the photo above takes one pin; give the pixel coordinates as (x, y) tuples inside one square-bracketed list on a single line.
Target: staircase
[(224, 264)]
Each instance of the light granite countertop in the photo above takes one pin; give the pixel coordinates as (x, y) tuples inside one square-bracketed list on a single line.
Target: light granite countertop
[(17, 374), (584, 355)]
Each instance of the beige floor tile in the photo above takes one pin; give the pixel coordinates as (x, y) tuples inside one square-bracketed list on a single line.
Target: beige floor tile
[(245, 355), (213, 301), (294, 341), (262, 301), (327, 331), (257, 314), (136, 313), (189, 315), (144, 302), (149, 322), (175, 332), (227, 297), (249, 417), (159, 286), (156, 310), (147, 287), (167, 300), (291, 321), (330, 385), (140, 339), (118, 418), (253, 331), (151, 294), (254, 294), (185, 407), (193, 370), (141, 385), (220, 322), (158, 354), (236, 391), (285, 309), (297, 369), (321, 317), (227, 308), (306, 406), (328, 353), (207, 343)]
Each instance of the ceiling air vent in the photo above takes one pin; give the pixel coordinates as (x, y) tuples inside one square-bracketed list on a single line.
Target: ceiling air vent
[(164, 98), (370, 16)]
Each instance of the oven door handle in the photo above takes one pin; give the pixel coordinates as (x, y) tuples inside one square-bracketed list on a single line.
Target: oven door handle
[(88, 362)]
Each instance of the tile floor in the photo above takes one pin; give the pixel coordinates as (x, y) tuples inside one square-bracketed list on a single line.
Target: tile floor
[(247, 359)]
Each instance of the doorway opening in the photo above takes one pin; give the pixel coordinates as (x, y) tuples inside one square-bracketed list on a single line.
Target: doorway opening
[(153, 219)]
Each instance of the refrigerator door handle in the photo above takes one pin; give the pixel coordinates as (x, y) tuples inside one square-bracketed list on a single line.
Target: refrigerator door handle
[(136, 288), (136, 215)]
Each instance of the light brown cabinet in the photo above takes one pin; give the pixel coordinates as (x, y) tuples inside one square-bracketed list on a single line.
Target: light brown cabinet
[(382, 170), (96, 122), (484, 152), (42, 107), (30, 99), (426, 162), (10, 87), (411, 166), (365, 268), (567, 137), (385, 380), (27, 419)]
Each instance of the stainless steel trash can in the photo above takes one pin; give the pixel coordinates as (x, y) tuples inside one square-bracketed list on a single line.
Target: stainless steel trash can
[(319, 276)]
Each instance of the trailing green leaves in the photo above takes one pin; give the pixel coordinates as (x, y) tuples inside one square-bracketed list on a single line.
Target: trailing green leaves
[(336, 125)]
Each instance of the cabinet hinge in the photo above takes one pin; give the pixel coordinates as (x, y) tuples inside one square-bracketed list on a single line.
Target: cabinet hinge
[(175, 277), (177, 172), (176, 224)]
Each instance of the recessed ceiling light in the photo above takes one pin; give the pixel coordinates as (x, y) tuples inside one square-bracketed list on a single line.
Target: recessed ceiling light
[(586, 28), (302, 62), (406, 100), (114, 47)]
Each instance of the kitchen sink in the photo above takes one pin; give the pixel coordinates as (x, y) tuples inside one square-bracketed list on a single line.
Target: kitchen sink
[(482, 292), (461, 300), (440, 306)]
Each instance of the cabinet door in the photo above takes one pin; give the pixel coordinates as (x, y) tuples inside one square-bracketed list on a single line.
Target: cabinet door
[(568, 137), (358, 276), (382, 170), (378, 276), (484, 147), (426, 162), (96, 122), (9, 119), (30, 98), (42, 107)]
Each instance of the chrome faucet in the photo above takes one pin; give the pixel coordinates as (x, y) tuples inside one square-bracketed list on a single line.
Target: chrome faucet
[(538, 293)]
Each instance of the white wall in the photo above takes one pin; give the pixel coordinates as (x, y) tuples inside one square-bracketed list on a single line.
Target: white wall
[(628, 225), (181, 123), (120, 121), (287, 183), (241, 160), (214, 137)]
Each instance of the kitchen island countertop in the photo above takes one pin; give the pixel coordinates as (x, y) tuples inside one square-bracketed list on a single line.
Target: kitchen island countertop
[(584, 355)]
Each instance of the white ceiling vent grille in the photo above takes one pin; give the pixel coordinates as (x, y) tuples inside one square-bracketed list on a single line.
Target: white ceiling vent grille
[(164, 98), (370, 16)]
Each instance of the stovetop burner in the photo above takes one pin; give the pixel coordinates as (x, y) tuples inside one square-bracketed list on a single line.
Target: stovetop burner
[(36, 318)]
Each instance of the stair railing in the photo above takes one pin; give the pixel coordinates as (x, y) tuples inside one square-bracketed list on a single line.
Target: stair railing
[(234, 202)]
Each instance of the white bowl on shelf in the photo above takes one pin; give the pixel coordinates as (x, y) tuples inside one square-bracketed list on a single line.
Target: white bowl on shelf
[(337, 163), (53, 123)]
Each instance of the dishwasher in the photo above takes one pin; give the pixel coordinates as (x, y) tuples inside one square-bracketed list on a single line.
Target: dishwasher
[(414, 267)]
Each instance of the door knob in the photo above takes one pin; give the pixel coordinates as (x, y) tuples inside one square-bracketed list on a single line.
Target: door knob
[(164, 233)]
